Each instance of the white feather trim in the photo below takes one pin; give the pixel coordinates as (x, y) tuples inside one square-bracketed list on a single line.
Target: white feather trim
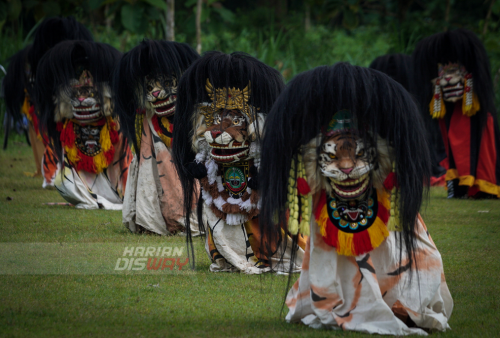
[(212, 169), (219, 202), (235, 219), (220, 187), (254, 151), (234, 201), (200, 157), (207, 197), (247, 205)]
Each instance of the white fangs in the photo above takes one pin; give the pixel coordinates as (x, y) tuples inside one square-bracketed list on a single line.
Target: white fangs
[(351, 193), (86, 116), (229, 146), (343, 183), (94, 108), (453, 90), (171, 100), (166, 112), (230, 158), (233, 157), (363, 179), (86, 109)]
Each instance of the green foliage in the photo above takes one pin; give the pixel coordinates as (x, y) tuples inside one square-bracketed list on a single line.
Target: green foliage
[(132, 18), (356, 31)]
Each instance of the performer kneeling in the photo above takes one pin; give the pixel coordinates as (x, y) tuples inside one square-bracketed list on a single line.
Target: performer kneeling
[(75, 104), (145, 88), (453, 85), (370, 263), (222, 105)]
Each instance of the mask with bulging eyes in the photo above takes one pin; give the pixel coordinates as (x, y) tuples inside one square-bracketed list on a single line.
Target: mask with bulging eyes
[(228, 136), (161, 93), (84, 99), (88, 138), (347, 163)]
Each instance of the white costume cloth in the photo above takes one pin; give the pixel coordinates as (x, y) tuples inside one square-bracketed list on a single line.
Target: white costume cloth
[(370, 293), (154, 198)]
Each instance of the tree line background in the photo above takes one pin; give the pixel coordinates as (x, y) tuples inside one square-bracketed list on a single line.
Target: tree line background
[(290, 35)]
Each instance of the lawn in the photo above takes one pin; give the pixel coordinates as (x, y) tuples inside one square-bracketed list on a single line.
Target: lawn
[(44, 297)]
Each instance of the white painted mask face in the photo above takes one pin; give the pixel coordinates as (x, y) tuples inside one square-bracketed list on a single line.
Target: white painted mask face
[(161, 92), (84, 98)]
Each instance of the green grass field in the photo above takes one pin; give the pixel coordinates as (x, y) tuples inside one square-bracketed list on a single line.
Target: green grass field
[(199, 303)]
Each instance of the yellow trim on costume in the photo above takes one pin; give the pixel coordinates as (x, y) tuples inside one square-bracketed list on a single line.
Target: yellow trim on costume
[(452, 174), (488, 187), (472, 108), (100, 161), (139, 120), (25, 109), (166, 124), (71, 150), (346, 245), (322, 221), (469, 180), (437, 114), (378, 232)]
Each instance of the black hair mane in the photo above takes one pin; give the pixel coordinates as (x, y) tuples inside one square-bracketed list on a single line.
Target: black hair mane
[(59, 66), (459, 45), (149, 58), (397, 66), (15, 82), (381, 105), (223, 70)]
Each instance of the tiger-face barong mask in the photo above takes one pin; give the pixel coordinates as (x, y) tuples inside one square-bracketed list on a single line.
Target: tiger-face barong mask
[(227, 125), (347, 164), (161, 93), (227, 136), (451, 79), (84, 99), (344, 159)]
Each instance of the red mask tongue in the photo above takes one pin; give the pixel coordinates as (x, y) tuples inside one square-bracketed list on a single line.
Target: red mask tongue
[(353, 215)]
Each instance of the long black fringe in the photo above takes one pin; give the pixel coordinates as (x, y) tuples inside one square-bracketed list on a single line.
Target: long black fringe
[(16, 80), (52, 31), (461, 46), (382, 107), (397, 66), (58, 66), (150, 58), (223, 70)]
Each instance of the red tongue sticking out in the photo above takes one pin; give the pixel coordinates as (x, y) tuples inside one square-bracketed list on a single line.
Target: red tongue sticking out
[(353, 215)]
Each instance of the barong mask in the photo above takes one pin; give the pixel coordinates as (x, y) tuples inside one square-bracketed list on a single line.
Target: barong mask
[(344, 160), (451, 79), (355, 164), (453, 84), (161, 93), (452, 67), (84, 100), (145, 84), (229, 126)]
